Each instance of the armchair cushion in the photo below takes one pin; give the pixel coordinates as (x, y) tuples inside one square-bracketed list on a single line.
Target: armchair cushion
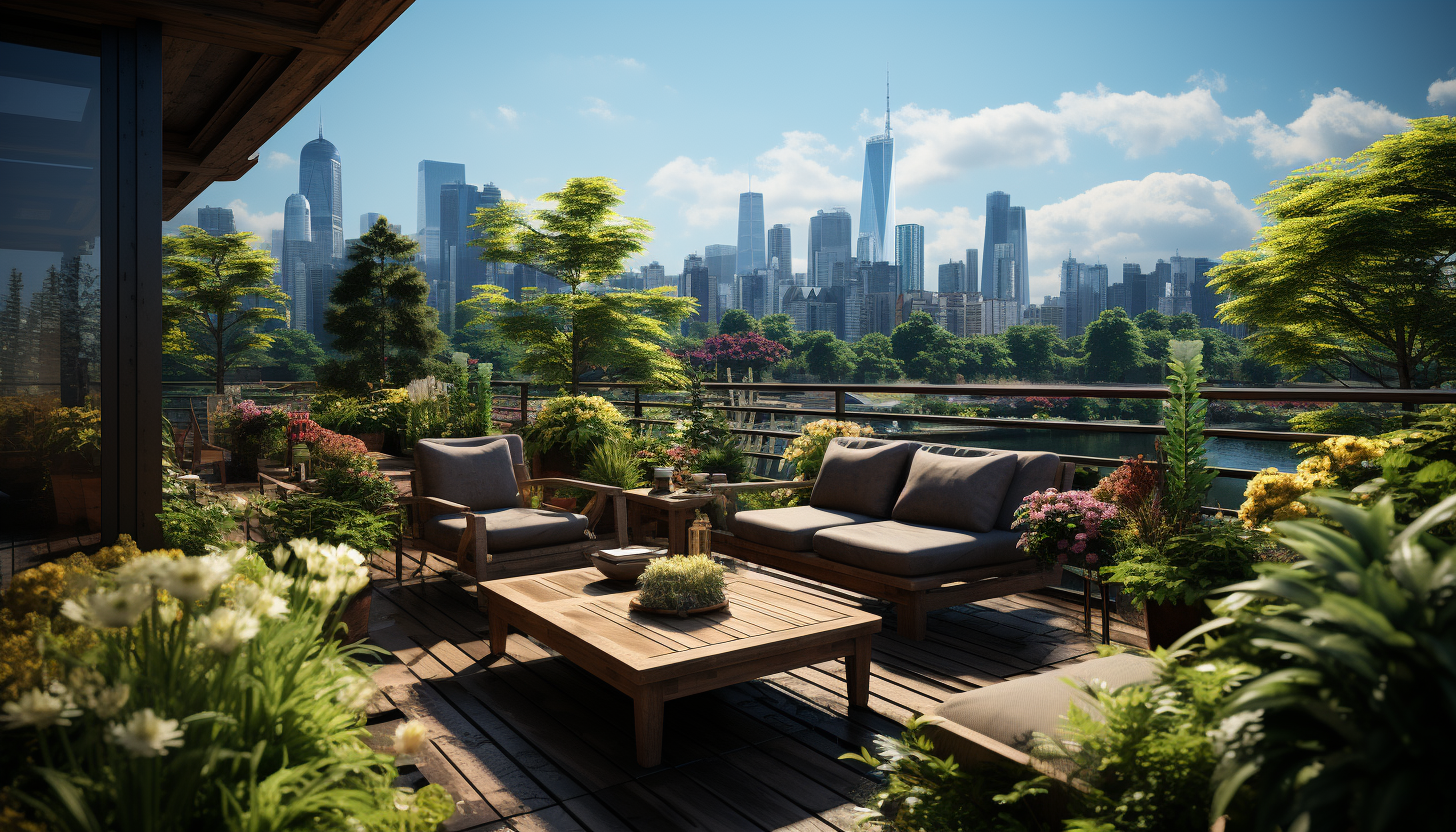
[(910, 551), (1035, 471), (509, 529), (958, 492), (479, 476), (861, 480), (791, 529)]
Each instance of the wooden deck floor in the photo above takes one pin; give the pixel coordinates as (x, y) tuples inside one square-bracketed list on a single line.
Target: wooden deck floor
[(527, 741)]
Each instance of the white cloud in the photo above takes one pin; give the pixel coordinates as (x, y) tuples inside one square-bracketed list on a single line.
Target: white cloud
[(508, 114), (259, 223), (277, 160), (1142, 122), (1337, 124), (600, 109), (1214, 81), (941, 145), (631, 63), (1442, 93), (794, 178)]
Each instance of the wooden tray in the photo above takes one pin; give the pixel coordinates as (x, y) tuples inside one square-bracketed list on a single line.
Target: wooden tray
[(681, 613)]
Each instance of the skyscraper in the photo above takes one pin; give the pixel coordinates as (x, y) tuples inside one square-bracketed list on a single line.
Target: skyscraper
[(697, 283), (752, 254), (952, 277), (321, 181), (461, 268), (877, 197), (1003, 272), (972, 277), (654, 275), (366, 222), (721, 261), (216, 221), (431, 175), (1134, 289), (1071, 286), (1158, 283), (864, 248), (829, 242), (910, 256), (780, 248), (1092, 294), (296, 258), (1005, 223), (1205, 300)]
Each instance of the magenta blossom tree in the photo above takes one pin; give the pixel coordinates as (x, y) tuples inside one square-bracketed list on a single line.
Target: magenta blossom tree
[(741, 352)]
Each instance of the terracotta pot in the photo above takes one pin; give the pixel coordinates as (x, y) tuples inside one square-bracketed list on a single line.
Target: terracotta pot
[(568, 503), (78, 499), (1166, 623), (356, 616), (374, 442)]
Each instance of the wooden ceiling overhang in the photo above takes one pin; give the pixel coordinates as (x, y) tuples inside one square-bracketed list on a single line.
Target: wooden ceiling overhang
[(234, 71)]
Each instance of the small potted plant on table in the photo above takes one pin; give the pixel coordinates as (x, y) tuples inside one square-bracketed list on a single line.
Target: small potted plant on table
[(681, 585)]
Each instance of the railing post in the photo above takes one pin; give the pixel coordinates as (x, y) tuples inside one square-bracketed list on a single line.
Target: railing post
[(525, 396), (839, 405), (637, 402)]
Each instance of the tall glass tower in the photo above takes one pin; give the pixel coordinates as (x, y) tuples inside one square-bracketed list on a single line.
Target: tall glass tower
[(296, 258), (780, 248), (829, 244), (910, 256), (1005, 225), (321, 180), (877, 199), (752, 254)]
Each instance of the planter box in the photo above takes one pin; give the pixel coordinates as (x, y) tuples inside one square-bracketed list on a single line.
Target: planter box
[(374, 442), (78, 499), (356, 616), (1162, 623)]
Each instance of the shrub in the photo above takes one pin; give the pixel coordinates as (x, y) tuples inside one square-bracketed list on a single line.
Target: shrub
[(192, 522), (1136, 489), (727, 458), (614, 463), (211, 701), (806, 451), (72, 433), (370, 490), (256, 431), (1186, 567), (319, 517), (681, 582), (575, 425)]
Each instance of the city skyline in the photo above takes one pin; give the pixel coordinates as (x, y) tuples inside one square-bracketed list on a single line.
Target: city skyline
[(1118, 159)]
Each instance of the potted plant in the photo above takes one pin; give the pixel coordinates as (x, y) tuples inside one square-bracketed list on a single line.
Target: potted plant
[(806, 452), (1067, 527), (72, 442), (256, 432), (681, 585), (568, 429)]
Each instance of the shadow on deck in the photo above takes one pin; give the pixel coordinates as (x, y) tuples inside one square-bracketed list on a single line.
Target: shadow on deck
[(527, 741)]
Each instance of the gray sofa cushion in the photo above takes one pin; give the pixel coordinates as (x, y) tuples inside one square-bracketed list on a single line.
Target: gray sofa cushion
[(510, 529), (1010, 712), (861, 480), (481, 477), (908, 550), (959, 492), (1035, 471), (791, 529)]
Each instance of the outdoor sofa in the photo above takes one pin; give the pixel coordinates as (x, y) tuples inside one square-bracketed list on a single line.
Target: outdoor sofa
[(922, 526)]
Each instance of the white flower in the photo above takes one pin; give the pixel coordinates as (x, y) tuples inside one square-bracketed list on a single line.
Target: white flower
[(409, 738), (91, 692), (145, 569), (224, 629), (277, 583), (110, 608), (357, 693), (192, 579), (281, 554), (42, 708), (259, 601), (233, 556), (147, 735)]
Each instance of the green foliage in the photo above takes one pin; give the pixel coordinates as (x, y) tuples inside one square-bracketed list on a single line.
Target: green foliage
[(205, 280), (778, 327), (726, 458), (703, 428), (193, 522), (919, 334), (1186, 475), (292, 355), (370, 491), (1418, 470), (1113, 346), (1184, 568), (737, 322), (875, 360), (378, 311), (924, 792), (1352, 273), (681, 582), (325, 519), (1346, 418), (576, 425), (1348, 724), (71, 432), (1033, 351), (357, 414), (614, 463), (827, 357)]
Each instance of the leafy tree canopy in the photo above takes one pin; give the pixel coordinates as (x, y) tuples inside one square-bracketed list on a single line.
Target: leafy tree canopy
[(1033, 350), (917, 334), (205, 281), (737, 322), (292, 356), (1113, 345), (1355, 274), (779, 327), (825, 356), (875, 360)]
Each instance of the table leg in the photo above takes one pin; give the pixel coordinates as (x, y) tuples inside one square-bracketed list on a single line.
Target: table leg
[(634, 522), (647, 714), (857, 670), (499, 627), (677, 533)]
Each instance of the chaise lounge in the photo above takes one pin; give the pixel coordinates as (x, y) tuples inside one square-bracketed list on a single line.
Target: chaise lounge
[(922, 526)]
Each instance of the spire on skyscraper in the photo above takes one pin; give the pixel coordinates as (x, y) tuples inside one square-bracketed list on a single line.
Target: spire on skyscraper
[(887, 101)]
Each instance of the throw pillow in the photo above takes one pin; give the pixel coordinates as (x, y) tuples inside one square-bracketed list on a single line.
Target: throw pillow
[(861, 480), (957, 492)]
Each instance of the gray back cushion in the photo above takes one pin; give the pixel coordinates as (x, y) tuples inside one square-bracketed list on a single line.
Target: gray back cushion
[(955, 491), (861, 480), (480, 476), (1035, 471), (510, 440)]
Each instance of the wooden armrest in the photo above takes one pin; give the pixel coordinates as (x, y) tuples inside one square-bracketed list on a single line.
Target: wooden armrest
[(564, 482), (437, 502), (731, 488), (284, 487)]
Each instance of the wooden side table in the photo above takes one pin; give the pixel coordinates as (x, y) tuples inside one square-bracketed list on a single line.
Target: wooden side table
[(676, 508)]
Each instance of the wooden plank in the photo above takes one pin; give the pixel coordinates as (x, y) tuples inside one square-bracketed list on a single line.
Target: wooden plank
[(773, 771), (760, 803), (552, 819), (595, 817), (694, 802)]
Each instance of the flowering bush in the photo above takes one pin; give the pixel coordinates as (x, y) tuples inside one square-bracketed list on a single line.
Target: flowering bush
[(1342, 462), (806, 451), (73, 433), (213, 699), (256, 432), (748, 350), (1063, 526), (575, 425)]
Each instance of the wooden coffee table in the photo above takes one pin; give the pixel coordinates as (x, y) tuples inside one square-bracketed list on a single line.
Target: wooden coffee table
[(767, 628)]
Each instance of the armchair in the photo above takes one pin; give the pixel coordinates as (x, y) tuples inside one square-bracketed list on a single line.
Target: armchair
[(469, 503)]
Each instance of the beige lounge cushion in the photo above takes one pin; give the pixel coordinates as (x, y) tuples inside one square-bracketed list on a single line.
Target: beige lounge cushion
[(1035, 471), (481, 477), (957, 492), (1009, 712), (791, 529), (861, 480), (910, 550), (510, 529)]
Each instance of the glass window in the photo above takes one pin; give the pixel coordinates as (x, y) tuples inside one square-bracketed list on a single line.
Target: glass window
[(50, 258)]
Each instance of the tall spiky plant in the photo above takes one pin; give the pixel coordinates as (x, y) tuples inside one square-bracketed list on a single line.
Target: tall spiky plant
[(1186, 477)]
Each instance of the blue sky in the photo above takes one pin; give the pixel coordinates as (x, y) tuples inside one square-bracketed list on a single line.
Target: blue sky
[(1126, 129)]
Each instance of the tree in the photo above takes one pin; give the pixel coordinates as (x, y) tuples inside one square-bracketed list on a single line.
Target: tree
[(292, 356), (875, 360), (205, 280), (1033, 350), (779, 327), (938, 363), (12, 341), (1151, 320), (476, 335), (1355, 274), (740, 353), (579, 239), (378, 308), (1113, 346), (737, 322), (826, 356), (986, 356), (915, 336)]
